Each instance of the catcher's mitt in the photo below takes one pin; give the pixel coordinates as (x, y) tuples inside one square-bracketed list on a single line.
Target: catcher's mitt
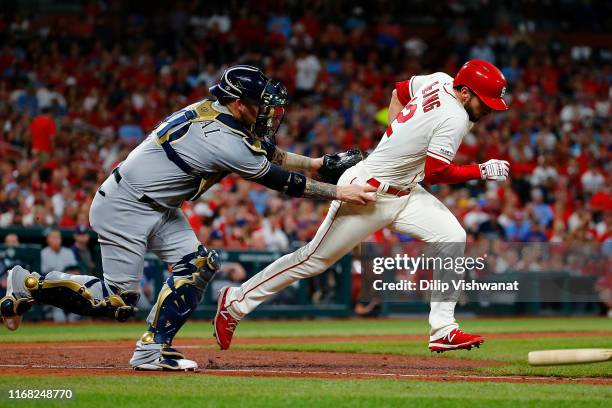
[(335, 164)]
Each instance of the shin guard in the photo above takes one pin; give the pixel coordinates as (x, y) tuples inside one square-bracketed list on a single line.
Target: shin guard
[(179, 297)]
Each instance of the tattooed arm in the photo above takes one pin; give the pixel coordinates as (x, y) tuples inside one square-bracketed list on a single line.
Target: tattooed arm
[(298, 185), (292, 161), (320, 191), (352, 193)]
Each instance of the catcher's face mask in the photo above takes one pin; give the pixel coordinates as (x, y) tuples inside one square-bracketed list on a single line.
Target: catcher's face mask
[(271, 111)]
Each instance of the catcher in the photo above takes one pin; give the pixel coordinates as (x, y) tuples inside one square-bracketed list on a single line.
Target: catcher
[(137, 209)]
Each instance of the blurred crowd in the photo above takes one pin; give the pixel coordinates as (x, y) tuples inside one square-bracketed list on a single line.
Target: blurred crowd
[(79, 89)]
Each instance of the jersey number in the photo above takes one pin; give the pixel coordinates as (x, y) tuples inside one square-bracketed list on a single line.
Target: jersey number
[(401, 118)]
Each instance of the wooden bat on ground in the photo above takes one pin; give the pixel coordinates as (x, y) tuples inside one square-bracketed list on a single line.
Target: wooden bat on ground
[(568, 356)]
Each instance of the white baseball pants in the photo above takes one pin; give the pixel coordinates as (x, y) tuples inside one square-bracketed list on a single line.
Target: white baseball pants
[(418, 214)]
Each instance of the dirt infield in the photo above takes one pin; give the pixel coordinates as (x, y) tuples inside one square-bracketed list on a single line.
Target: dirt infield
[(110, 358)]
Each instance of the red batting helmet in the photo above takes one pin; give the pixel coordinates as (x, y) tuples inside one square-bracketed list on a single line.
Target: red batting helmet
[(485, 80)]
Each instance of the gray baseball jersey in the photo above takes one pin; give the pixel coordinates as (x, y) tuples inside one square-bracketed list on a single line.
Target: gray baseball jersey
[(206, 138), (137, 208)]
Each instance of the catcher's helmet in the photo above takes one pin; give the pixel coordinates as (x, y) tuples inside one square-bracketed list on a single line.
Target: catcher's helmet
[(485, 80), (249, 83)]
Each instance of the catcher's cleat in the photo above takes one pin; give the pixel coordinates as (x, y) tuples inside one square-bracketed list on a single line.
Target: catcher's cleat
[(159, 357), (168, 365), (456, 340), (224, 323), (17, 300)]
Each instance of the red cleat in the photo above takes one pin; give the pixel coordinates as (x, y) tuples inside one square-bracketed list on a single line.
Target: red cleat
[(456, 340), (224, 323)]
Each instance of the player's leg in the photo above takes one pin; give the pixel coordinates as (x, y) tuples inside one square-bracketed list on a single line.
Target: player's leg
[(17, 300), (193, 267), (123, 224), (344, 227), (80, 294), (122, 229), (426, 218)]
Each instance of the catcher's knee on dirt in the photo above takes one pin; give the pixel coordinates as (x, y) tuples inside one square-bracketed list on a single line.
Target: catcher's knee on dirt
[(91, 297), (180, 295)]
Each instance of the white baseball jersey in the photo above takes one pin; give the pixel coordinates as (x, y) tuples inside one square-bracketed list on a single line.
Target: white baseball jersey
[(432, 124)]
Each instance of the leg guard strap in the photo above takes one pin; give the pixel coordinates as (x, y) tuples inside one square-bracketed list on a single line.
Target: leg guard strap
[(180, 296), (74, 297)]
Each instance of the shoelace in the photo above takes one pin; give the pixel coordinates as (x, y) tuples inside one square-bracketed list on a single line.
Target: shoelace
[(231, 322), (454, 333), (231, 325)]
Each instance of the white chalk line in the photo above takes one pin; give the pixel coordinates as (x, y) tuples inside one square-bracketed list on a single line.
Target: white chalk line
[(259, 370), (115, 346), (52, 366)]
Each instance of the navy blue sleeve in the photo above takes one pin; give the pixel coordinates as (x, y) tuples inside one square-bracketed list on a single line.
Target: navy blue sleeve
[(270, 149), (279, 179)]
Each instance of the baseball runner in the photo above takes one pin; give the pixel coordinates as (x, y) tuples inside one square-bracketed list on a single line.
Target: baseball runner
[(138, 209), (429, 115)]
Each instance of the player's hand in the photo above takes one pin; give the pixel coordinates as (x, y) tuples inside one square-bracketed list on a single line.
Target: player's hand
[(356, 194), (494, 170)]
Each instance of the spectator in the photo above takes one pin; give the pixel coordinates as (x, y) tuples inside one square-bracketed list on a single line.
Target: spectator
[(308, 67), (545, 174), (25, 100), (519, 227), (536, 233), (81, 250), (11, 240), (512, 72), (483, 51), (130, 131), (542, 211), (475, 215), (231, 274), (592, 180), (147, 285), (55, 257), (274, 237), (43, 130), (491, 229)]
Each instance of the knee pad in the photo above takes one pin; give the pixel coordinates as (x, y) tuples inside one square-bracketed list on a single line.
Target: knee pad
[(74, 297), (203, 262), (180, 295)]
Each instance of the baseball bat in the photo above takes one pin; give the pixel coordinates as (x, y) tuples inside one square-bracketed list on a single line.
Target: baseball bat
[(568, 356)]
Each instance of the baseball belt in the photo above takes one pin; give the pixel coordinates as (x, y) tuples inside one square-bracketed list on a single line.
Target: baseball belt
[(389, 189)]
